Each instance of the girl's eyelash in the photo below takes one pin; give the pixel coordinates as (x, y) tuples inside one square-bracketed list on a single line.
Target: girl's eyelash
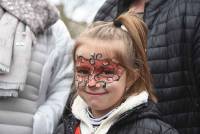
[(108, 71), (82, 70)]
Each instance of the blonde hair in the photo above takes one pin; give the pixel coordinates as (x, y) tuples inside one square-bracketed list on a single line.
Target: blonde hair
[(132, 55)]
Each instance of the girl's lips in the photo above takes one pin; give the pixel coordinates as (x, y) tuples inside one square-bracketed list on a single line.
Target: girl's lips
[(95, 93)]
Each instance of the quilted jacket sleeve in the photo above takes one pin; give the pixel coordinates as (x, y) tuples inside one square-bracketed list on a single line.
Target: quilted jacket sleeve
[(49, 113), (107, 11)]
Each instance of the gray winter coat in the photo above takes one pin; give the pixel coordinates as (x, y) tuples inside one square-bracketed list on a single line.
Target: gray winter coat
[(39, 107)]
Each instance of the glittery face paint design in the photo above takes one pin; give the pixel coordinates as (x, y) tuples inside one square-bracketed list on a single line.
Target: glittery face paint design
[(96, 72)]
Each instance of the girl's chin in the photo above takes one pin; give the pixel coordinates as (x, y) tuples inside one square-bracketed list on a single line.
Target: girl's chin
[(96, 106)]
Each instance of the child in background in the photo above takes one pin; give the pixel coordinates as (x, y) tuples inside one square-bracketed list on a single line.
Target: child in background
[(113, 82)]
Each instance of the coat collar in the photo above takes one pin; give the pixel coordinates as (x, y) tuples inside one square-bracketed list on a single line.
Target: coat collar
[(79, 110)]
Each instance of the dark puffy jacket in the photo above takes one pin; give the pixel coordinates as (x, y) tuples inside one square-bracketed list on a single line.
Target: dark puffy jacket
[(143, 119), (111, 9), (174, 57)]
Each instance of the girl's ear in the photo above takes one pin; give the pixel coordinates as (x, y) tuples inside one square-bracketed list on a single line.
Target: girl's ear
[(132, 78)]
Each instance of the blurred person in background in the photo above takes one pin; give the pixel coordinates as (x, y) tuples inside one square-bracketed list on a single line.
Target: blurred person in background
[(173, 52), (35, 67)]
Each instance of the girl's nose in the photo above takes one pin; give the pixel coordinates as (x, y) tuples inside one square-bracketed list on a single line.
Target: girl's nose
[(92, 82)]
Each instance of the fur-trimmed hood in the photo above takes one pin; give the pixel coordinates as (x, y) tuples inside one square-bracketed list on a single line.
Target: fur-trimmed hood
[(79, 110)]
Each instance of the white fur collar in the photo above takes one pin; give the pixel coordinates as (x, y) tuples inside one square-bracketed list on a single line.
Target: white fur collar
[(79, 110)]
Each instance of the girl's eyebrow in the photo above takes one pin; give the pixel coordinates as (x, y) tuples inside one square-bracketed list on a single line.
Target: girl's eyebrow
[(108, 67), (83, 66)]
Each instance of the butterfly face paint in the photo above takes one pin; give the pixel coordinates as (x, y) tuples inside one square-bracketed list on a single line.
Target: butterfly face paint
[(96, 72)]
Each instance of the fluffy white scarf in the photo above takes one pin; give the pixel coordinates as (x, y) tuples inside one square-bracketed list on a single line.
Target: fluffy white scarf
[(79, 110)]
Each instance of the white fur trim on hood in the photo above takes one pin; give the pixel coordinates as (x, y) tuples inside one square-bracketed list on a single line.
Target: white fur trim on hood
[(79, 110)]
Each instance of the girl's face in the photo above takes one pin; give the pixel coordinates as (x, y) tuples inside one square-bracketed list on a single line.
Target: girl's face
[(99, 79)]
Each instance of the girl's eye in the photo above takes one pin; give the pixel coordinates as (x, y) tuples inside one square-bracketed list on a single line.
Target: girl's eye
[(83, 71), (108, 72)]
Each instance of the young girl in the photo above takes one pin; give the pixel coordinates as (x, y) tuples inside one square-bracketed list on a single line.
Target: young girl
[(113, 83)]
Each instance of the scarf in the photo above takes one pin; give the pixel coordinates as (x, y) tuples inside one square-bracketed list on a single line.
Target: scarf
[(20, 21), (79, 110)]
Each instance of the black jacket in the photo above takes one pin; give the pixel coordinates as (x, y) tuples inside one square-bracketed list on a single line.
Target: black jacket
[(173, 55), (111, 9), (143, 119)]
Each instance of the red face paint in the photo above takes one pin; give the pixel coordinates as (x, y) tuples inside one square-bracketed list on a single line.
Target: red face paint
[(96, 71)]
